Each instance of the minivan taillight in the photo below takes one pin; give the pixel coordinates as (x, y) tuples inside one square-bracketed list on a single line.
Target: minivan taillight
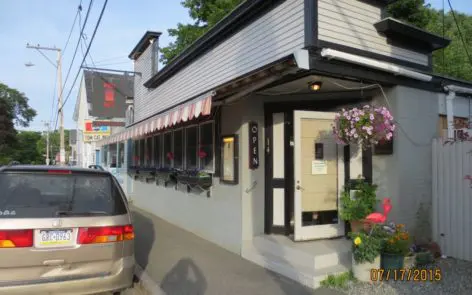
[(16, 238), (105, 234)]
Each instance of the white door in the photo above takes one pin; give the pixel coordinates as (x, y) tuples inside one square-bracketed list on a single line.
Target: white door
[(319, 177)]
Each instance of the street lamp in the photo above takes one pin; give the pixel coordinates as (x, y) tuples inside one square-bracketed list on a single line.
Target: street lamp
[(58, 66)]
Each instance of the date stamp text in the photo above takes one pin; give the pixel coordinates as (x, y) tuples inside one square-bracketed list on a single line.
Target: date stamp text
[(413, 275)]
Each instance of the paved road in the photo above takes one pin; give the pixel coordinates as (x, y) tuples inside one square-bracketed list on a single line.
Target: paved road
[(182, 263)]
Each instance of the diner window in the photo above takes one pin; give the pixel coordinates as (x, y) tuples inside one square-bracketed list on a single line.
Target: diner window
[(135, 147), (167, 150), (105, 155), (121, 156), (149, 153), (157, 151), (191, 143), (206, 147), (178, 148), (141, 152)]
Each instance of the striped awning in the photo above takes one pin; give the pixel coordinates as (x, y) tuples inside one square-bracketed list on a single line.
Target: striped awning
[(180, 114)]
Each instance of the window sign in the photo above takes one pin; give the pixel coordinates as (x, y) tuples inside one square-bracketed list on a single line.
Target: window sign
[(253, 145), (229, 159)]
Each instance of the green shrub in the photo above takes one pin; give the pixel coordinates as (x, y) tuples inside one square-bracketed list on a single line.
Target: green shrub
[(338, 281), (365, 247), (361, 204)]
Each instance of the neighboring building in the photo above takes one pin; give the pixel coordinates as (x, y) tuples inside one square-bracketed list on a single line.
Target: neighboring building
[(100, 111), (73, 147), (238, 104)]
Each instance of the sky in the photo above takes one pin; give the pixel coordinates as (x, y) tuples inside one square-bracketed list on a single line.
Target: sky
[(48, 23)]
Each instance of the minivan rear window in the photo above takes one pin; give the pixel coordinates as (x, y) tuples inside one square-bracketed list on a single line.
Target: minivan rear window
[(43, 195)]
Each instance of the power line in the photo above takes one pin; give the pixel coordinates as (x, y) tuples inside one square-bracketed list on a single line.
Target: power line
[(77, 46), (73, 25), (460, 32), (82, 28), (83, 60), (83, 37)]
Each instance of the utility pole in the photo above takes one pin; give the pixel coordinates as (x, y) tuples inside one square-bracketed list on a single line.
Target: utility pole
[(47, 141), (58, 66)]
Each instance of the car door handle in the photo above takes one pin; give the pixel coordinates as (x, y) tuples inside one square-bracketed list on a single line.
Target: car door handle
[(54, 262)]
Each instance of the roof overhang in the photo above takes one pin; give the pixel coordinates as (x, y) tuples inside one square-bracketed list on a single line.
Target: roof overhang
[(143, 44), (410, 36)]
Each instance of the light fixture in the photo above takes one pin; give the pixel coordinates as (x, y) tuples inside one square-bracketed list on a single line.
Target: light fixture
[(315, 86)]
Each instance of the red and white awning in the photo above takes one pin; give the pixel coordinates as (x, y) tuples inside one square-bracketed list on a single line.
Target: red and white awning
[(183, 113)]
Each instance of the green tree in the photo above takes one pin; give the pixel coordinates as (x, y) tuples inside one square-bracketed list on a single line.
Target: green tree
[(453, 60), (25, 150), (14, 110), (54, 144), (412, 11), (205, 13)]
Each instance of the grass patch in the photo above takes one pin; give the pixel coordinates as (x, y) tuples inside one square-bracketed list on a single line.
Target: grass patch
[(339, 281)]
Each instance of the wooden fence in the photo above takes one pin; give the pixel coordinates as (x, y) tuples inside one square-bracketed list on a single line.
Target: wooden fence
[(452, 198)]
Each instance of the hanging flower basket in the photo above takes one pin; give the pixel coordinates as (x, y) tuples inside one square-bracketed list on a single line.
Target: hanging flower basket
[(366, 126)]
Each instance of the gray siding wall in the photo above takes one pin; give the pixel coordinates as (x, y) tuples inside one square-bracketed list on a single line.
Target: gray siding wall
[(351, 23), (271, 37), (217, 218), (406, 176), (142, 65)]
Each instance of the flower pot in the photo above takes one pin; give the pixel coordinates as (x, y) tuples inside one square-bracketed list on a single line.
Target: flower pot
[(409, 262), (357, 226), (392, 261), (362, 271)]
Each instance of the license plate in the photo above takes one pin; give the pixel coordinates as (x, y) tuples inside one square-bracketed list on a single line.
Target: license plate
[(55, 237)]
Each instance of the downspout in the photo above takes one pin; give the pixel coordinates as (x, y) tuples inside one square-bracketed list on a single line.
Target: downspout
[(450, 114)]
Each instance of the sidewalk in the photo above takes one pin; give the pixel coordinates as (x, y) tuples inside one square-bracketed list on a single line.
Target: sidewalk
[(181, 263)]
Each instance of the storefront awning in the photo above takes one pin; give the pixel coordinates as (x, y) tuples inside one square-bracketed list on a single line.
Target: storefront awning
[(194, 109)]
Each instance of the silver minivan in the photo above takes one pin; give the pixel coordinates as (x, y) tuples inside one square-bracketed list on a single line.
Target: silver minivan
[(63, 231)]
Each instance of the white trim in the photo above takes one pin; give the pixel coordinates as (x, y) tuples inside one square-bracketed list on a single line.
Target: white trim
[(315, 231), (372, 63)]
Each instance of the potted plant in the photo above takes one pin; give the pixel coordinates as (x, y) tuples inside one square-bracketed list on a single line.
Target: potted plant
[(366, 249), (366, 126), (396, 247), (194, 178), (355, 208)]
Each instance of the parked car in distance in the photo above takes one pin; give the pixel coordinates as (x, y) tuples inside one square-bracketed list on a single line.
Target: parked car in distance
[(63, 230)]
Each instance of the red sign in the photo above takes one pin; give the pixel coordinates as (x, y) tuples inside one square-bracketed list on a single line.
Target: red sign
[(109, 101), (88, 126)]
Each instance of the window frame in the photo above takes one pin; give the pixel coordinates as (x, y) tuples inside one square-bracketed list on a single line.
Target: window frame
[(142, 140), (197, 128), (183, 147), (158, 156), (164, 157), (150, 153), (200, 167)]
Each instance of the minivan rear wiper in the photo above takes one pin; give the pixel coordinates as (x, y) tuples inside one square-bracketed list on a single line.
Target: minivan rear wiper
[(87, 213)]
